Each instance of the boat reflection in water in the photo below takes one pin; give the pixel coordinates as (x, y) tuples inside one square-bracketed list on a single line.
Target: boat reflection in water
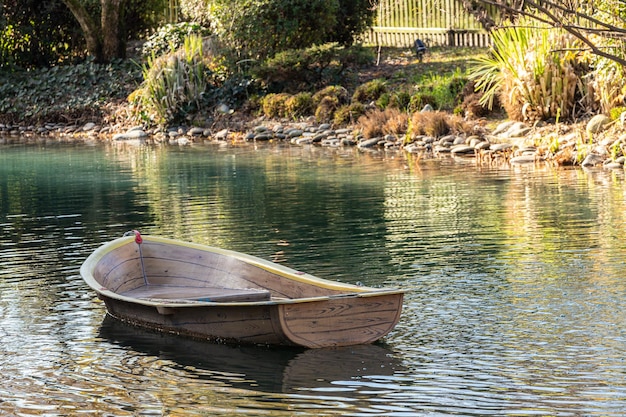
[(268, 369)]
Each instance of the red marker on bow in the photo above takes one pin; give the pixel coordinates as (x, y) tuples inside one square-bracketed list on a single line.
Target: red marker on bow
[(138, 238), (139, 241)]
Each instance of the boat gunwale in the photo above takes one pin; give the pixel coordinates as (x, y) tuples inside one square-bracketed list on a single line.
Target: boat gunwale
[(86, 271)]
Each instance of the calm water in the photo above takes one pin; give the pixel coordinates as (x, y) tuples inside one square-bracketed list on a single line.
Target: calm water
[(515, 281)]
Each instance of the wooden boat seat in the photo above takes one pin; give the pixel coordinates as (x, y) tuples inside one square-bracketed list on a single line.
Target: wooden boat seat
[(207, 294)]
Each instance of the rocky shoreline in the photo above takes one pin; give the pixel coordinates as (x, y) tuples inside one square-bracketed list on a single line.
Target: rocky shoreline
[(599, 142)]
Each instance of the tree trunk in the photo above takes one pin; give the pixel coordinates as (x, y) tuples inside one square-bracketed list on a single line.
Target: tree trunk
[(106, 41), (113, 45), (90, 30)]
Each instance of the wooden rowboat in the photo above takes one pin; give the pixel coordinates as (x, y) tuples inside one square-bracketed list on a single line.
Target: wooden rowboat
[(222, 295)]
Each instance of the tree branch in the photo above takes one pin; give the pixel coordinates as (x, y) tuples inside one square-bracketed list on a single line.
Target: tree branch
[(555, 20)]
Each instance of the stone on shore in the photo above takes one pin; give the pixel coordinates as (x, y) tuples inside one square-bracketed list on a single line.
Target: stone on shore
[(462, 150), (592, 159), (598, 123), (134, 133), (222, 134)]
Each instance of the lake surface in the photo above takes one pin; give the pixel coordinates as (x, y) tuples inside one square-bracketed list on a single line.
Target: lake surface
[(514, 276)]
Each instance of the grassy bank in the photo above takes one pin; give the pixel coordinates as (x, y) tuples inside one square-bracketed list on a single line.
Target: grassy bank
[(88, 92)]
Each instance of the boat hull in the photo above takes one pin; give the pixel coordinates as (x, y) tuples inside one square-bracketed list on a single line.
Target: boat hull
[(321, 314), (314, 324)]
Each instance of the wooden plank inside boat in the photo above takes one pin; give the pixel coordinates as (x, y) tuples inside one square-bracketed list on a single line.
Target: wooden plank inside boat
[(209, 294)]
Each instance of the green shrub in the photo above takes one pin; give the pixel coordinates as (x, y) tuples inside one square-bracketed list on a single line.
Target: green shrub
[(262, 28), (348, 114), (325, 110), (400, 100), (616, 112), (352, 19), (310, 68), (298, 105), (171, 37), (370, 91), (419, 100), (337, 92), (383, 101), (275, 105)]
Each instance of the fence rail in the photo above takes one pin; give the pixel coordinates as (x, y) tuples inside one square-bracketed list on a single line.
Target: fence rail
[(436, 22), (405, 37)]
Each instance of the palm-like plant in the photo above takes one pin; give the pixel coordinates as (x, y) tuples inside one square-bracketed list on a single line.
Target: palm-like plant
[(533, 71), (173, 83)]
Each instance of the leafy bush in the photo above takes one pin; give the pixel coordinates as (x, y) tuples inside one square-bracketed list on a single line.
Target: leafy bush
[(314, 67), (299, 105), (370, 91), (326, 108), (400, 100), (83, 91), (419, 100), (348, 114), (262, 28), (337, 92), (171, 37), (274, 105), (196, 10)]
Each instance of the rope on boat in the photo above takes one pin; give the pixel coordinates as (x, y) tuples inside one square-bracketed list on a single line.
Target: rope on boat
[(139, 241)]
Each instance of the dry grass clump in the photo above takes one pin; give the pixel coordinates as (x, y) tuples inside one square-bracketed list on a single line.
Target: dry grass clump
[(378, 122), (565, 157), (371, 123), (397, 122), (429, 123), (459, 125), (393, 121)]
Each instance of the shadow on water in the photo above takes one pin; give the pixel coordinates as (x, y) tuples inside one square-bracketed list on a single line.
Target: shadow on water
[(266, 369)]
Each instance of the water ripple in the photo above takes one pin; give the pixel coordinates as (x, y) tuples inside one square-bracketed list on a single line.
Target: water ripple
[(514, 283)]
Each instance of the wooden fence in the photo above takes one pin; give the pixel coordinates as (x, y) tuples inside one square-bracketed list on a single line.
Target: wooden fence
[(436, 22)]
